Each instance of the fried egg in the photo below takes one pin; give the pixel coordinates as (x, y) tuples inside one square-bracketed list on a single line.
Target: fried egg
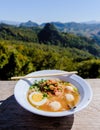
[(37, 99)]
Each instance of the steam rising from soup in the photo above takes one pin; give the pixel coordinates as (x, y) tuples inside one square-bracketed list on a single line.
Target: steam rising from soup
[(53, 95)]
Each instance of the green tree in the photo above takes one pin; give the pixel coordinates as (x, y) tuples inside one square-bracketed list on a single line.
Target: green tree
[(89, 69)]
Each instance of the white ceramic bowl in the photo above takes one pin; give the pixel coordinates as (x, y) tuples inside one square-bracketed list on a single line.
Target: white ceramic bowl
[(22, 86)]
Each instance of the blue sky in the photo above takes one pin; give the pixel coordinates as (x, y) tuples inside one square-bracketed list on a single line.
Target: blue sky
[(50, 10)]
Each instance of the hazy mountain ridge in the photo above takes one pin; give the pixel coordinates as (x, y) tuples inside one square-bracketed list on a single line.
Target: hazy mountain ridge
[(10, 22), (88, 29)]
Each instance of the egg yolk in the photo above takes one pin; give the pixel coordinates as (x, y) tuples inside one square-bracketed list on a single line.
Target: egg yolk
[(37, 97)]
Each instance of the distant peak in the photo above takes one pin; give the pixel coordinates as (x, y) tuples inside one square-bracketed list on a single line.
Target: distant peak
[(29, 21), (29, 24)]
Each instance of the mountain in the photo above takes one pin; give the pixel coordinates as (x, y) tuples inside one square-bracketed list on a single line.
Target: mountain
[(10, 22), (84, 29), (58, 25), (92, 22), (90, 29), (29, 24), (50, 35)]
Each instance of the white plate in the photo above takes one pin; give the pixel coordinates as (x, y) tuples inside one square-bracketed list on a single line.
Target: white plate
[(22, 86)]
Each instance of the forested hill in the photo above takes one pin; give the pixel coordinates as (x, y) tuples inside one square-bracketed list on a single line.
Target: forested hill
[(8, 32), (27, 49), (49, 35)]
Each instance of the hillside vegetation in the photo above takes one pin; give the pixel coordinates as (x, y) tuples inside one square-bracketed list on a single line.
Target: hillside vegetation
[(27, 49)]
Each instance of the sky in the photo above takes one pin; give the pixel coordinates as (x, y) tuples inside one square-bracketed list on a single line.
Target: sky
[(41, 11)]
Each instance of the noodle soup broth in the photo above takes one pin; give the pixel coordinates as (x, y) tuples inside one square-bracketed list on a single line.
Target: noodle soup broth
[(53, 95)]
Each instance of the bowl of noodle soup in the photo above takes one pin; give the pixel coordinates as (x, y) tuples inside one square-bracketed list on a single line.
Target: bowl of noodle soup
[(53, 96)]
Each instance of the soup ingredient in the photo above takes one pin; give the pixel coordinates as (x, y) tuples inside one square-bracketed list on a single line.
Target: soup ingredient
[(36, 98), (52, 86), (69, 97), (55, 105), (53, 95), (70, 88)]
